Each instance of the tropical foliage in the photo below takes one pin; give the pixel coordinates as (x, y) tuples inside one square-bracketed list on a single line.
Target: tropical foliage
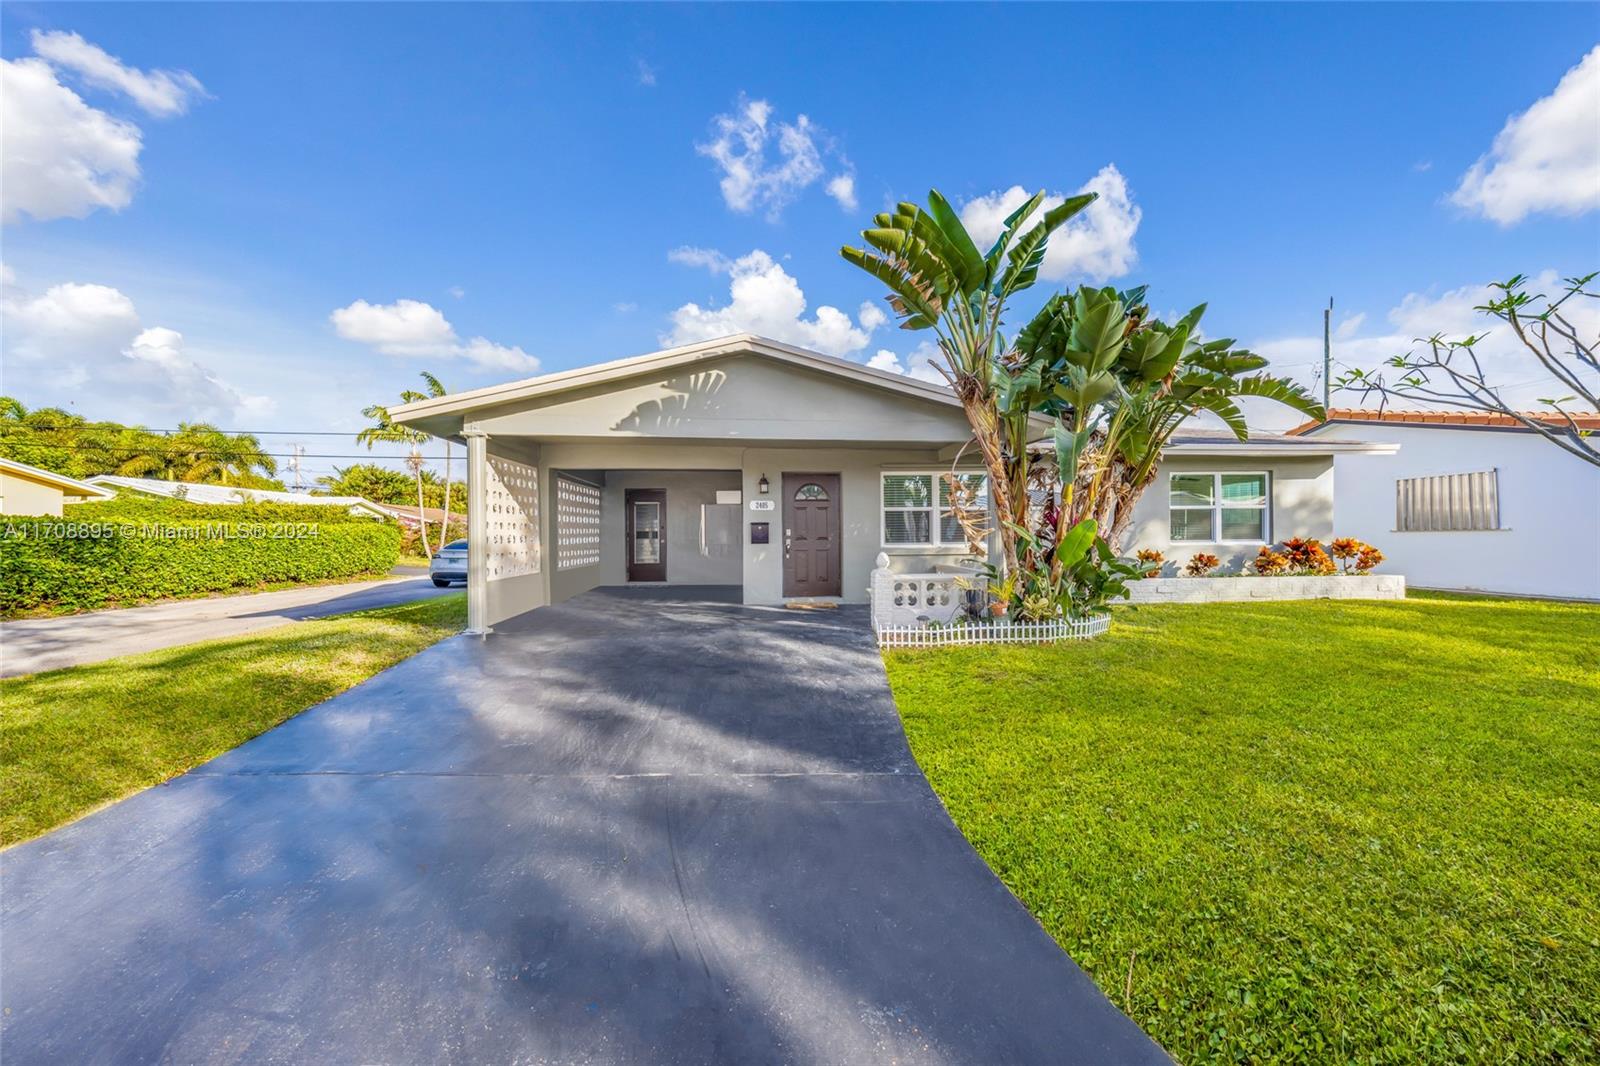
[(65, 443), (1092, 371), (384, 430), (382, 484)]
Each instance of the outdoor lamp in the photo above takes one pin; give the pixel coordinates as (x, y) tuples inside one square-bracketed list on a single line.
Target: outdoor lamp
[(764, 485)]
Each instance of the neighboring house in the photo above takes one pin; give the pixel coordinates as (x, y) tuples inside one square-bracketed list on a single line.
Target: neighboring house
[(407, 515), (744, 461), (1470, 501), (193, 492), (28, 490)]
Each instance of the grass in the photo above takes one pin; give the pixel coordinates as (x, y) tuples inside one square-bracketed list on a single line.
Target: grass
[(1298, 832), (73, 740)]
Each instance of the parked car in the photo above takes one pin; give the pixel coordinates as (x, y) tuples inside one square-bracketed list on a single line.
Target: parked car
[(450, 564)]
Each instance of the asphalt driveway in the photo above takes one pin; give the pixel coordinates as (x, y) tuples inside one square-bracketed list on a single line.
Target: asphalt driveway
[(650, 827), (28, 645)]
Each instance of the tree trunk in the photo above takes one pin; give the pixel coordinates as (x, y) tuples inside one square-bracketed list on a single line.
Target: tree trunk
[(985, 423), (444, 527), (422, 518)]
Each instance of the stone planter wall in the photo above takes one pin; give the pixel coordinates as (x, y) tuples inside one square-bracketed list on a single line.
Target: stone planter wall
[(1248, 589)]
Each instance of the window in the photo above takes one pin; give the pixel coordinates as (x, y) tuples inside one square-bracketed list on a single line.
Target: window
[(1447, 502), (914, 515), (1218, 508)]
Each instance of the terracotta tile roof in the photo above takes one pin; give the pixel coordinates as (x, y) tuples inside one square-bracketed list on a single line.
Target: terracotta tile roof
[(1444, 418)]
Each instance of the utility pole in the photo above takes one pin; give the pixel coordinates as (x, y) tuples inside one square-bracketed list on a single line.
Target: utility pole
[(1327, 353), (294, 464)]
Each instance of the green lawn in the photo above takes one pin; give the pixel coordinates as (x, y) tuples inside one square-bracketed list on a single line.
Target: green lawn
[(72, 740), (1312, 832)]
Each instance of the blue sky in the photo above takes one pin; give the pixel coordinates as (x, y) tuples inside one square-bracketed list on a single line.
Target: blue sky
[(524, 175)]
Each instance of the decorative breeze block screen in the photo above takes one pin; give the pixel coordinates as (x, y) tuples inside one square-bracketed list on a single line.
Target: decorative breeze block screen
[(577, 524), (513, 519)]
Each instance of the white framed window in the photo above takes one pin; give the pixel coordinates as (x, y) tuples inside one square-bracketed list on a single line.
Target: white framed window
[(917, 511), (1448, 503), (1218, 508)]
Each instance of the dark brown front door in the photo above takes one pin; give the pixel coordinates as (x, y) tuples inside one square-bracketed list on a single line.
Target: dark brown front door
[(811, 535), (647, 534)]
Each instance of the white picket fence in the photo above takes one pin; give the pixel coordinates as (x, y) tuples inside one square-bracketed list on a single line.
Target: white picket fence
[(999, 632)]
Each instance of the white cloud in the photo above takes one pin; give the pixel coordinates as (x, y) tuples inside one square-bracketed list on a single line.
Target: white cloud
[(85, 342), (61, 158), (710, 258), (922, 363), (413, 329), (1545, 159), (764, 299), (158, 92), (646, 74), (871, 316), (1097, 242), (739, 146), (842, 187), (457, 291), (1417, 316), (624, 307)]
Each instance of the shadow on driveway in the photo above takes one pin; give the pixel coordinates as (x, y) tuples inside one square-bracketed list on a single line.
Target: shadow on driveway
[(642, 826)]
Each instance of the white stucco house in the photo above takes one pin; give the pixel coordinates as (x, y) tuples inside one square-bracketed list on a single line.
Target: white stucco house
[(747, 462), (1469, 501)]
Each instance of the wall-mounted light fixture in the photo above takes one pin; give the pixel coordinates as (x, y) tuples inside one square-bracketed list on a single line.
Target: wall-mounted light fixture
[(764, 485)]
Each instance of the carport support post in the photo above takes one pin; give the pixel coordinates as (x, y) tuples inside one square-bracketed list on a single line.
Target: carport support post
[(477, 532)]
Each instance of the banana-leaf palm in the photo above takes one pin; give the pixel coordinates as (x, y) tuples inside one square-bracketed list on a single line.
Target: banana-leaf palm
[(938, 280)]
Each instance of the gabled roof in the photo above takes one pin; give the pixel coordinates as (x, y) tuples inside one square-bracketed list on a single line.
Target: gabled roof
[(194, 492), (1467, 419), (670, 359), (68, 486)]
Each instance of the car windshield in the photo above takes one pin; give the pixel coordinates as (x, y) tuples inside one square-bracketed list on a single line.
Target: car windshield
[(456, 546)]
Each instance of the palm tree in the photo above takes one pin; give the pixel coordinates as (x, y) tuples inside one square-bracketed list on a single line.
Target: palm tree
[(1208, 376), (203, 453), (385, 430), (436, 389), (938, 280)]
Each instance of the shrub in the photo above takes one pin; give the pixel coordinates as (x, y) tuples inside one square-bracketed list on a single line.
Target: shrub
[(1306, 556), (1354, 555), (1269, 562), (1151, 560), (1201, 564), (119, 553)]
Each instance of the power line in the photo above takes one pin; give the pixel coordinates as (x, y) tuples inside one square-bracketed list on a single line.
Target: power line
[(214, 452)]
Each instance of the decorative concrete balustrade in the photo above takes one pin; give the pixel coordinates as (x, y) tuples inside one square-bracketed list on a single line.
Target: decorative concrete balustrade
[(930, 610)]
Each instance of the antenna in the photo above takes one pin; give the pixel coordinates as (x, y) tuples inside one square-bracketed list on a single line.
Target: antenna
[(1327, 353)]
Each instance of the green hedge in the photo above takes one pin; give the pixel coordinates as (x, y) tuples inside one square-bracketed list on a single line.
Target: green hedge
[(124, 552)]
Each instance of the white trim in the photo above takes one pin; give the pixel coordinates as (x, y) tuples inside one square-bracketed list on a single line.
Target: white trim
[(935, 525), (1217, 506), (1281, 450), (68, 486)]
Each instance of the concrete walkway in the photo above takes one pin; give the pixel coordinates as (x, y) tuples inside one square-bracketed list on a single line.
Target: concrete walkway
[(29, 645), (640, 827)]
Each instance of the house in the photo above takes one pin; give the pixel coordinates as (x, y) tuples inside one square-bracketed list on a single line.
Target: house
[(1217, 495), (406, 515), (194, 492), (747, 462), (28, 490), (1470, 501)]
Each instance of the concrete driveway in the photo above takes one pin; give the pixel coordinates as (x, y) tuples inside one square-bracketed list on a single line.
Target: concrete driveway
[(645, 827), (28, 645)]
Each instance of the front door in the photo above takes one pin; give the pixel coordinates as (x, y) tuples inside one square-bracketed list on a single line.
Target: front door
[(647, 534), (811, 527)]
